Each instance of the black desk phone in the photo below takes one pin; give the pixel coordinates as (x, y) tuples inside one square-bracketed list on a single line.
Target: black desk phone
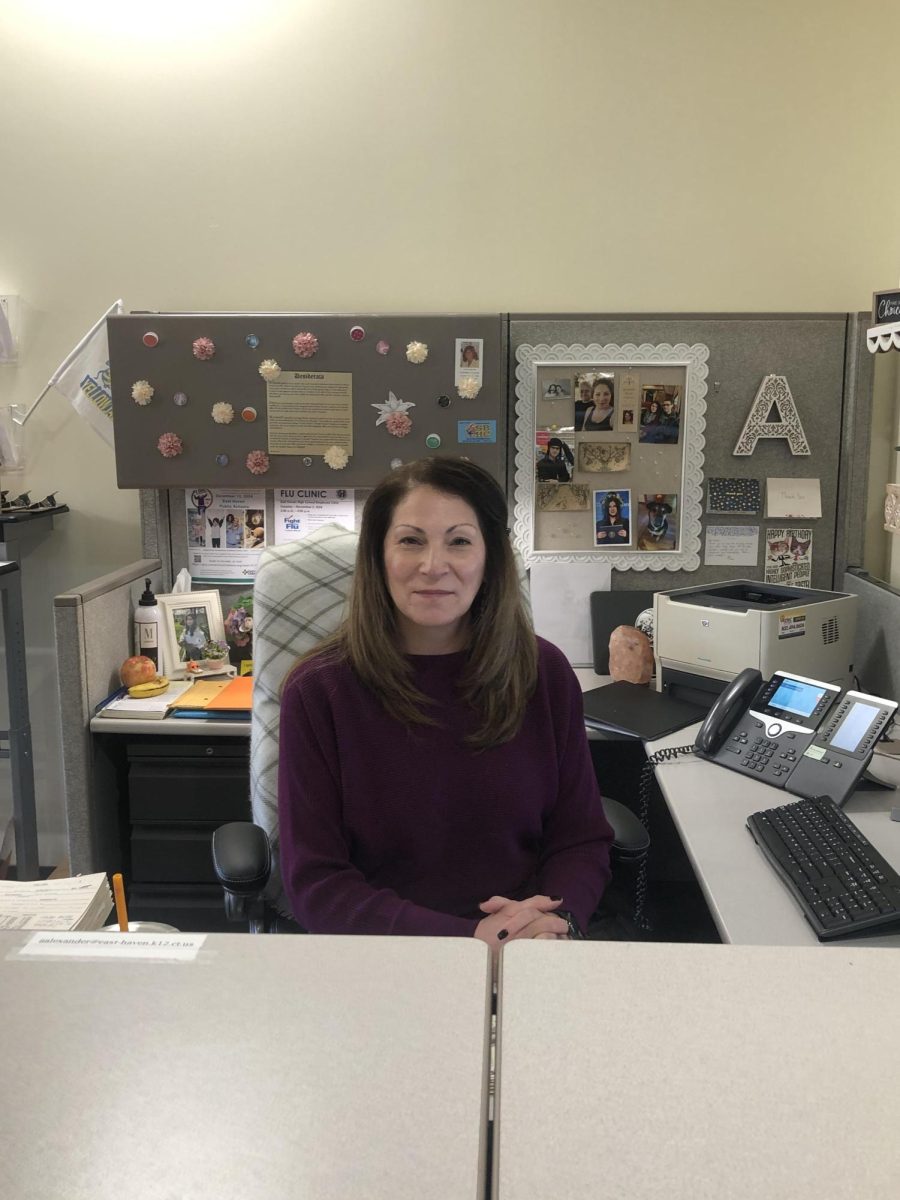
[(811, 738)]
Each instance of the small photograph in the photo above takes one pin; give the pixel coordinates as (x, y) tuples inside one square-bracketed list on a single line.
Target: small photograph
[(234, 530), (558, 389), (254, 529), (657, 522), (612, 517), (554, 459), (191, 631), (627, 420), (597, 409), (599, 457), (196, 528), (660, 414), (215, 521), (563, 497)]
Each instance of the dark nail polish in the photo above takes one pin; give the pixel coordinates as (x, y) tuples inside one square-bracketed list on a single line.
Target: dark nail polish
[(502, 934), (556, 897)]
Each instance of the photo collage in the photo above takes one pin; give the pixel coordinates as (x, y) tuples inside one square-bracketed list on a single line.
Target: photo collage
[(597, 427)]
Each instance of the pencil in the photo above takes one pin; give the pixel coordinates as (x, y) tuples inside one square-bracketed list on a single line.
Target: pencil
[(121, 909)]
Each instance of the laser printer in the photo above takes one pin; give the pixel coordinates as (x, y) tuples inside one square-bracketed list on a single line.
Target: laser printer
[(704, 635)]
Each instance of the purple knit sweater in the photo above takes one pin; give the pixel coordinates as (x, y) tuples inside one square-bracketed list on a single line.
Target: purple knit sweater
[(390, 829)]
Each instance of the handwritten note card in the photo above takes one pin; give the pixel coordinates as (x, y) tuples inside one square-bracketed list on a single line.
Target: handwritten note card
[(731, 546), (793, 498)]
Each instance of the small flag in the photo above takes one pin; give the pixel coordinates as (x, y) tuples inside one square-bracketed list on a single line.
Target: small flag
[(83, 377)]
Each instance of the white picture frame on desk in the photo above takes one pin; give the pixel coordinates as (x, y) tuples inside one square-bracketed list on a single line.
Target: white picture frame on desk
[(184, 617)]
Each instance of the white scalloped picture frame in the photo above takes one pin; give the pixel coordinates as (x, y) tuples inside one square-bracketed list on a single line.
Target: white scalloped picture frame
[(693, 440)]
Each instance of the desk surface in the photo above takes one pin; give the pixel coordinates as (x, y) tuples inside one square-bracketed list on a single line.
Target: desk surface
[(696, 1073), (748, 901), (272, 1067)]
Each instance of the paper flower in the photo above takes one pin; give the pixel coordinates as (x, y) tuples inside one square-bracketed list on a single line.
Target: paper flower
[(393, 405), (222, 413), (468, 388), (398, 424), (169, 445), (337, 457), (416, 352), (204, 348), (141, 392), (257, 462), (305, 345), (269, 369)]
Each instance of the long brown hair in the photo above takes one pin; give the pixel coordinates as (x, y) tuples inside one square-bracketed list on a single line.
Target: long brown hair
[(501, 671)]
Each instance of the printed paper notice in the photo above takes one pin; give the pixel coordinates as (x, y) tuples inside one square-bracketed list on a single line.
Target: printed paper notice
[(789, 556), (298, 511), (310, 411), (226, 533), (161, 947), (731, 546)]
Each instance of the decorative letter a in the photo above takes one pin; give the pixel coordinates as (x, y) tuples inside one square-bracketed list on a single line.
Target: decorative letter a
[(773, 415)]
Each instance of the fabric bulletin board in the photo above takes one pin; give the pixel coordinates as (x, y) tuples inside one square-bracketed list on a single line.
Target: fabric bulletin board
[(738, 353), (347, 398)]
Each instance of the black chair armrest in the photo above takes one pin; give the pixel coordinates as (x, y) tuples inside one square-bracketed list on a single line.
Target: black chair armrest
[(242, 858), (631, 840)]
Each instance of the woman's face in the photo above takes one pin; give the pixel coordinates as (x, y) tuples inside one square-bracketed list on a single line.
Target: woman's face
[(434, 558), (612, 510), (602, 395), (469, 354), (654, 407)]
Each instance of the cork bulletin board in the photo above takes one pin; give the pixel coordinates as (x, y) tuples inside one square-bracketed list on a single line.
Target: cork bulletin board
[(347, 397), (609, 453)]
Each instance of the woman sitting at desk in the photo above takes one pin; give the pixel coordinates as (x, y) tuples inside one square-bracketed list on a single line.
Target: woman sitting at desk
[(434, 775)]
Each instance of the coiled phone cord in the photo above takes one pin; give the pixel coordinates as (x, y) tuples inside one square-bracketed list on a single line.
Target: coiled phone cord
[(641, 920)]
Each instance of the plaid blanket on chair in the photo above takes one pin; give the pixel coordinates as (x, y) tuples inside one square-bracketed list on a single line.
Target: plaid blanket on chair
[(298, 599)]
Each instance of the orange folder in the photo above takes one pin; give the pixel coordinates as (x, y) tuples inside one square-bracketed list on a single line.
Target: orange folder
[(237, 696)]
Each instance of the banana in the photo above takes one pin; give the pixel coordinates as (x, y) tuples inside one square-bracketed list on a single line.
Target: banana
[(155, 687)]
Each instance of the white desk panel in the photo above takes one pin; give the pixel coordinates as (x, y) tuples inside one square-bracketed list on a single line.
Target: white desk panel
[(274, 1067), (642, 1071)]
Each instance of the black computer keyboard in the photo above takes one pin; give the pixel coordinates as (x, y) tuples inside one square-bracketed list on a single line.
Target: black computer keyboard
[(833, 871)]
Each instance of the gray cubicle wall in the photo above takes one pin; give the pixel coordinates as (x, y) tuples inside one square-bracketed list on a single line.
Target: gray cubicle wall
[(829, 378), (232, 375), (877, 661), (93, 625)]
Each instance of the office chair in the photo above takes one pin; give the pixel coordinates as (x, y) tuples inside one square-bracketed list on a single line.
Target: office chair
[(298, 599)]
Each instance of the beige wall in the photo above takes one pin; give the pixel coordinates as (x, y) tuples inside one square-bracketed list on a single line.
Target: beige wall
[(618, 155)]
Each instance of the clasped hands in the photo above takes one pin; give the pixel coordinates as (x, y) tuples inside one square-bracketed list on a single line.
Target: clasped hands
[(510, 919)]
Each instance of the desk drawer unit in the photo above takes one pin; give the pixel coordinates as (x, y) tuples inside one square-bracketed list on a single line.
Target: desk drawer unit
[(179, 791)]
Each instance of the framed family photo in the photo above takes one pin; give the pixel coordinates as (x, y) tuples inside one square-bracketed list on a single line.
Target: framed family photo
[(191, 625)]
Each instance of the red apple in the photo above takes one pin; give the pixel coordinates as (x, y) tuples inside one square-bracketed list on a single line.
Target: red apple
[(137, 669)]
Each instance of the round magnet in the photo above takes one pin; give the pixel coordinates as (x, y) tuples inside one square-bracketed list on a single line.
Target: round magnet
[(307, 461), (222, 460), (433, 441), (443, 401), (252, 340), (150, 339), (357, 333), (248, 413), (383, 347), (180, 398), (396, 464)]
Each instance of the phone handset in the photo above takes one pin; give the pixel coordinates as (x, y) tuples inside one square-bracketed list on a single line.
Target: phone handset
[(730, 704)]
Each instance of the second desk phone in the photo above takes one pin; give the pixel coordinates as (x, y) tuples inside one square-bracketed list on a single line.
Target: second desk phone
[(811, 738)]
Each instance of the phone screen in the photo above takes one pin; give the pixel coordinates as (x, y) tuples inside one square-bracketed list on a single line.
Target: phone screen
[(850, 731), (795, 696)]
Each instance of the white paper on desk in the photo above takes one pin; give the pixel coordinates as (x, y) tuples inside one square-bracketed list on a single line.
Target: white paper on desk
[(157, 947), (793, 498), (561, 605)]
